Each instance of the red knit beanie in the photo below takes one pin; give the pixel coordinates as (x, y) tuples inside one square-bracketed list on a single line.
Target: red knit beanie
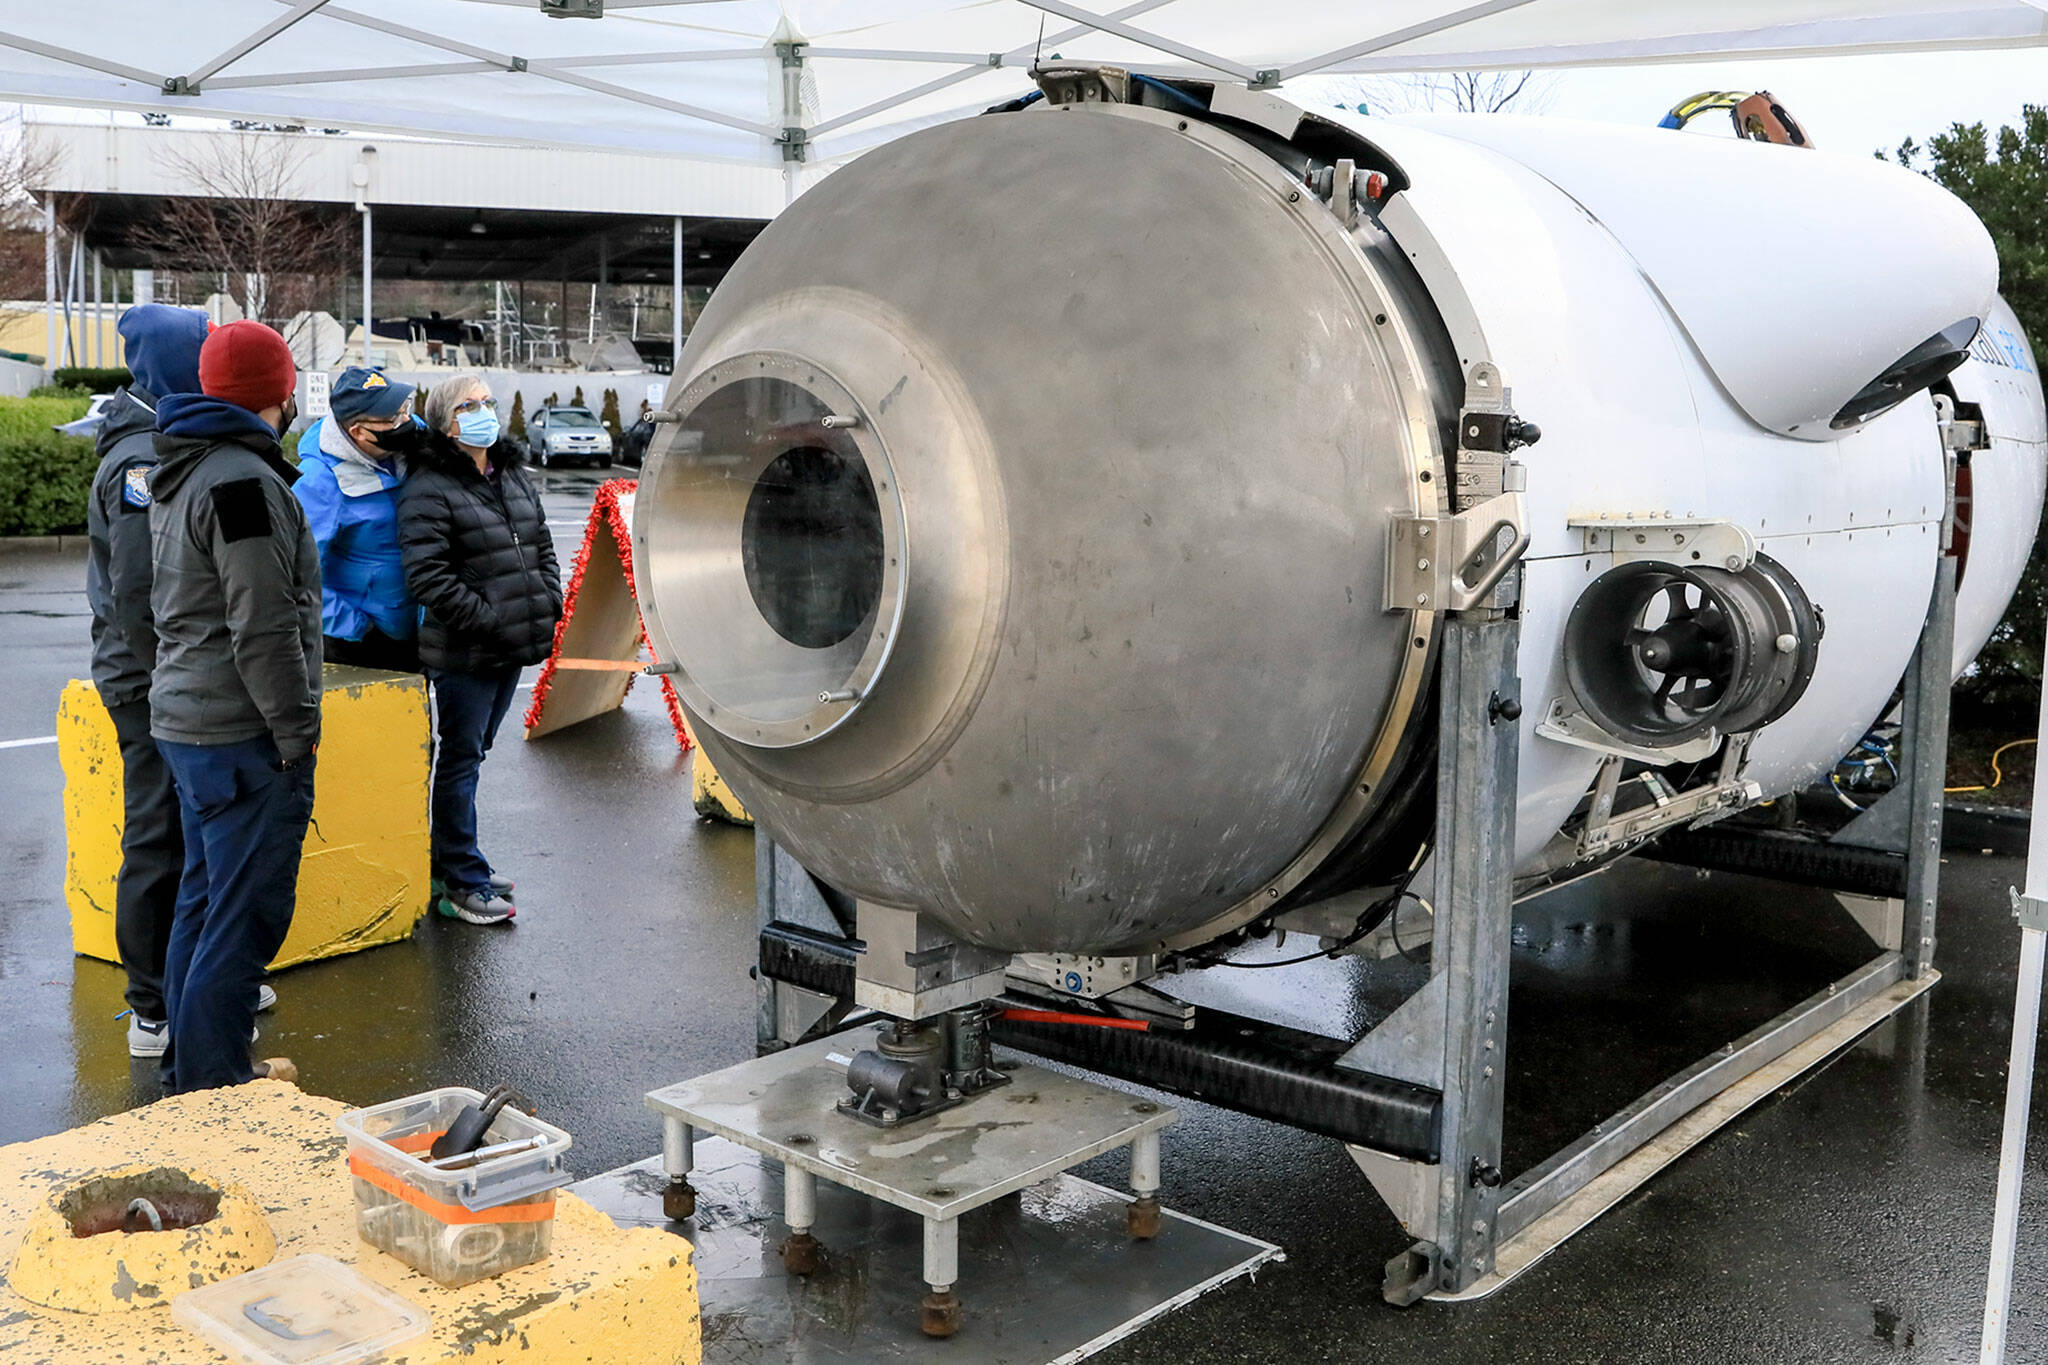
[(247, 364)]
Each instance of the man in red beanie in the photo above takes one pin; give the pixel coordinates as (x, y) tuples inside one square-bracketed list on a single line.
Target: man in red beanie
[(234, 700)]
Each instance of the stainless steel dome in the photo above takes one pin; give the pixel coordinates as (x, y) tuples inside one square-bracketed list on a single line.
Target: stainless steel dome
[(1022, 529)]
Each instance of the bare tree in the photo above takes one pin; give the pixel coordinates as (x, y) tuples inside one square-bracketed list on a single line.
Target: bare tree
[(1464, 92), (27, 162), (246, 222)]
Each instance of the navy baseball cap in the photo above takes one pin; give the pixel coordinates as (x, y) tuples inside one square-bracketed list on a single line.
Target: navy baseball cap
[(360, 395)]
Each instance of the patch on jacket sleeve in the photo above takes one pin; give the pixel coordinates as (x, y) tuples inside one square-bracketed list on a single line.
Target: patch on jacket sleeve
[(241, 509), (135, 487)]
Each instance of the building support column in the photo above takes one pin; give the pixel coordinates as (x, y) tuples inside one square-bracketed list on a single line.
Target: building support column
[(50, 285), (366, 284), (675, 296)]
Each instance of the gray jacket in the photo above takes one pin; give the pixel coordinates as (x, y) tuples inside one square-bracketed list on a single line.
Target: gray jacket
[(117, 561), (237, 591)]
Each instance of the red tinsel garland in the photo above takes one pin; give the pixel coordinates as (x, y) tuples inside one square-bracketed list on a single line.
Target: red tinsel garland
[(605, 515)]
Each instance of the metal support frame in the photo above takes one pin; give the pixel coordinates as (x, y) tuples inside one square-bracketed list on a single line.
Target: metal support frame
[(1452, 1033), (1926, 746), (1456, 1037)]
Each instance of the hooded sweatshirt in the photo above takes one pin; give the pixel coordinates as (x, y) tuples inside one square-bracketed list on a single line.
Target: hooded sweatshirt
[(351, 503), (163, 354), (237, 592)]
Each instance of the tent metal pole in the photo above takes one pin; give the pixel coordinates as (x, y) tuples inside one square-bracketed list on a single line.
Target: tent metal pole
[(249, 44), (99, 317), (360, 73), (498, 322), (675, 297), (50, 283), (1400, 35), (1065, 35), (2032, 911), (2012, 1149), (1141, 36)]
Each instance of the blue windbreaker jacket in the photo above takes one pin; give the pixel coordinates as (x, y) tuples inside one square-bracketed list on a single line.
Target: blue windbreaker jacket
[(352, 507)]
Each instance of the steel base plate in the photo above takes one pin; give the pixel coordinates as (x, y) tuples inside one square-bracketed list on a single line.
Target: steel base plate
[(785, 1106), (1050, 1275)]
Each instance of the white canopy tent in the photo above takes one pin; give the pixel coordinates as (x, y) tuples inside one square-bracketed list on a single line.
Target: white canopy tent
[(790, 87)]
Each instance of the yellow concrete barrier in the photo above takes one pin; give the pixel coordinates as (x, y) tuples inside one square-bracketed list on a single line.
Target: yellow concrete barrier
[(708, 792), (619, 1296), (363, 880)]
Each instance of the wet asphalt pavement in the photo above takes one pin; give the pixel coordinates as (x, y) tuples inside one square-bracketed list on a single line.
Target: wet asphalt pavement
[(1845, 1219)]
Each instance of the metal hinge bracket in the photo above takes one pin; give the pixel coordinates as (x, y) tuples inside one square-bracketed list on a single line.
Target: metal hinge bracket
[(1685, 541), (2031, 914), (1488, 432), (1454, 563)]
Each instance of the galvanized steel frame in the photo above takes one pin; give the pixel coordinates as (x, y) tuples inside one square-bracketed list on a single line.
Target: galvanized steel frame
[(1470, 1220)]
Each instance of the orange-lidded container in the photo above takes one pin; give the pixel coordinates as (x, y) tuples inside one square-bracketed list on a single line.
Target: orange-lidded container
[(453, 1226)]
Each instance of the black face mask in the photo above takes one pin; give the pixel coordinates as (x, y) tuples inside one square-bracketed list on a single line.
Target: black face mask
[(287, 417), (408, 438)]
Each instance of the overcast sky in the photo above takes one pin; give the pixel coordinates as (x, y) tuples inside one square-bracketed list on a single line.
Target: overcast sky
[(1854, 104)]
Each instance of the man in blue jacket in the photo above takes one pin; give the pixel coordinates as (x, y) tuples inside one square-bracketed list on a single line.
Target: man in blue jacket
[(351, 466)]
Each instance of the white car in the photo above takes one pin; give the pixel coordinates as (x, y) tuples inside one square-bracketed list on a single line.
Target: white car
[(565, 435), (88, 426)]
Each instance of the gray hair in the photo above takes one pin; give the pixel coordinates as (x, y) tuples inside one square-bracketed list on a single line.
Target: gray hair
[(439, 408)]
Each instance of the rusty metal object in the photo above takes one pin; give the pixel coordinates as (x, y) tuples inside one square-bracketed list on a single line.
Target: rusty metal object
[(678, 1201), (802, 1254), (939, 1313), (1142, 1219)]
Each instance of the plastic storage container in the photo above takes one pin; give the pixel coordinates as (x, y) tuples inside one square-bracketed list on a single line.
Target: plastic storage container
[(454, 1226), (309, 1310)]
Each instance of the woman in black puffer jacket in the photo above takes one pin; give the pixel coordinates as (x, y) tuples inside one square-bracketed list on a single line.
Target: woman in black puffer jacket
[(479, 559)]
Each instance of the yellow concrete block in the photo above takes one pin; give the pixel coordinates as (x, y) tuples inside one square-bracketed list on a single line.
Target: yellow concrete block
[(57, 1268), (363, 879), (621, 1297), (708, 792)]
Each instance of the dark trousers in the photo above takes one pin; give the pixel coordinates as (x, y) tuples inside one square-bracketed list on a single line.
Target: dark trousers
[(468, 708), (152, 858), (374, 650), (245, 822)]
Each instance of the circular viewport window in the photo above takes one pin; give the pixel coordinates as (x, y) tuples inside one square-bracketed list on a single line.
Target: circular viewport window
[(775, 550)]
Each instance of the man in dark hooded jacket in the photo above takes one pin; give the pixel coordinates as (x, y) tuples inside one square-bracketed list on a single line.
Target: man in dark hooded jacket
[(163, 355), (235, 699)]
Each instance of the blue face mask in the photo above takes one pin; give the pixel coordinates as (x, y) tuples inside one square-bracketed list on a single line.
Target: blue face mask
[(479, 428)]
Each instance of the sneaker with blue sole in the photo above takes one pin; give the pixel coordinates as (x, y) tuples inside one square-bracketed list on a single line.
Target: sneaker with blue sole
[(476, 907)]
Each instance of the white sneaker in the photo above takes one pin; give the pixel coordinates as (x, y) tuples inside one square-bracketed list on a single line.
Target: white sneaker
[(148, 1037), (265, 998), (479, 907)]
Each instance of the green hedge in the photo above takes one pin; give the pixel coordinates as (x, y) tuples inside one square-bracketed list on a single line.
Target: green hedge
[(44, 478), (90, 379)]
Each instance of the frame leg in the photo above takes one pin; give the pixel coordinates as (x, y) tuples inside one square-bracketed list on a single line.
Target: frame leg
[(939, 1314), (678, 1158), (1477, 763), (800, 1251), (1142, 1217), (1926, 745)]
